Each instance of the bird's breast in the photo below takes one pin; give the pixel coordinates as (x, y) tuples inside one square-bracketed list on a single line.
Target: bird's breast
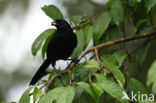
[(61, 46)]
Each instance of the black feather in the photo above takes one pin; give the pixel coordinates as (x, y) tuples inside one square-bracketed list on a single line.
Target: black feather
[(60, 46)]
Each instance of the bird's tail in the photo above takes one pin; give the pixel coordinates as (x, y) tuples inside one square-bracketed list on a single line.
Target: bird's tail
[(40, 72)]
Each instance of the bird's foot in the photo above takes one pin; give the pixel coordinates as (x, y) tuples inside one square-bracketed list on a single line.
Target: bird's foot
[(75, 60)]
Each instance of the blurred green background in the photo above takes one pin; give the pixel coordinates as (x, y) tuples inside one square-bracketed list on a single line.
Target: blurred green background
[(21, 21)]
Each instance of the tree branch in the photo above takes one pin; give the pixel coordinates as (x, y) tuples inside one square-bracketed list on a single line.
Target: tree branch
[(98, 48), (117, 41)]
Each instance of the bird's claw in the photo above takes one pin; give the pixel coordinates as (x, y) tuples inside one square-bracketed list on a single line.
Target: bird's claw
[(75, 60)]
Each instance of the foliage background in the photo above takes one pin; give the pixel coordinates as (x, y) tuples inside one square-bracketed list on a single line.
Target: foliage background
[(21, 21), (140, 18)]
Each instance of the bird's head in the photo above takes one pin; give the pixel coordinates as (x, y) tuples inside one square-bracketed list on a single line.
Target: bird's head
[(61, 24)]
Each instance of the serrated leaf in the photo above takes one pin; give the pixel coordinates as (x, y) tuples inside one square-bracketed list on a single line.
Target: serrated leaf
[(136, 86), (113, 63), (149, 4), (100, 26), (37, 94), (36, 46), (25, 96), (59, 95), (94, 90), (117, 12), (80, 44), (53, 12), (110, 87)]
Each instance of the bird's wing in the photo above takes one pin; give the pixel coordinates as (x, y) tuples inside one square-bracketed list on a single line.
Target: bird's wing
[(61, 46), (55, 44)]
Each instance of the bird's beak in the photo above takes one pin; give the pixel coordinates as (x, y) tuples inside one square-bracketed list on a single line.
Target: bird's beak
[(53, 23)]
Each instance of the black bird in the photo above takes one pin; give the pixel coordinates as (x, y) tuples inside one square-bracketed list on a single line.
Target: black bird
[(60, 46)]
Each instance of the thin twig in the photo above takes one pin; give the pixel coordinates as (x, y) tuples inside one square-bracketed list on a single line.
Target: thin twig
[(70, 78), (98, 59)]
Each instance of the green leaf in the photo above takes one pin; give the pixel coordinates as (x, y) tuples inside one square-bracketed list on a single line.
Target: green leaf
[(83, 70), (25, 96), (60, 82), (88, 31), (141, 22), (149, 4), (129, 26), (133, 2), (76, 19), (113, 63), (100, 26), (154, 88), (119, 56), (53, 12), (94, 90), (37, 94), (84, 98), (138, 1), (44, 48), (136, 86), (59, 95), (36, 46), (91, 64), (153, 14), (81, 42), (117, 12), (110, 87), (145, 28), (142, 53), (112, 33), (151, 81), (109, 4)]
